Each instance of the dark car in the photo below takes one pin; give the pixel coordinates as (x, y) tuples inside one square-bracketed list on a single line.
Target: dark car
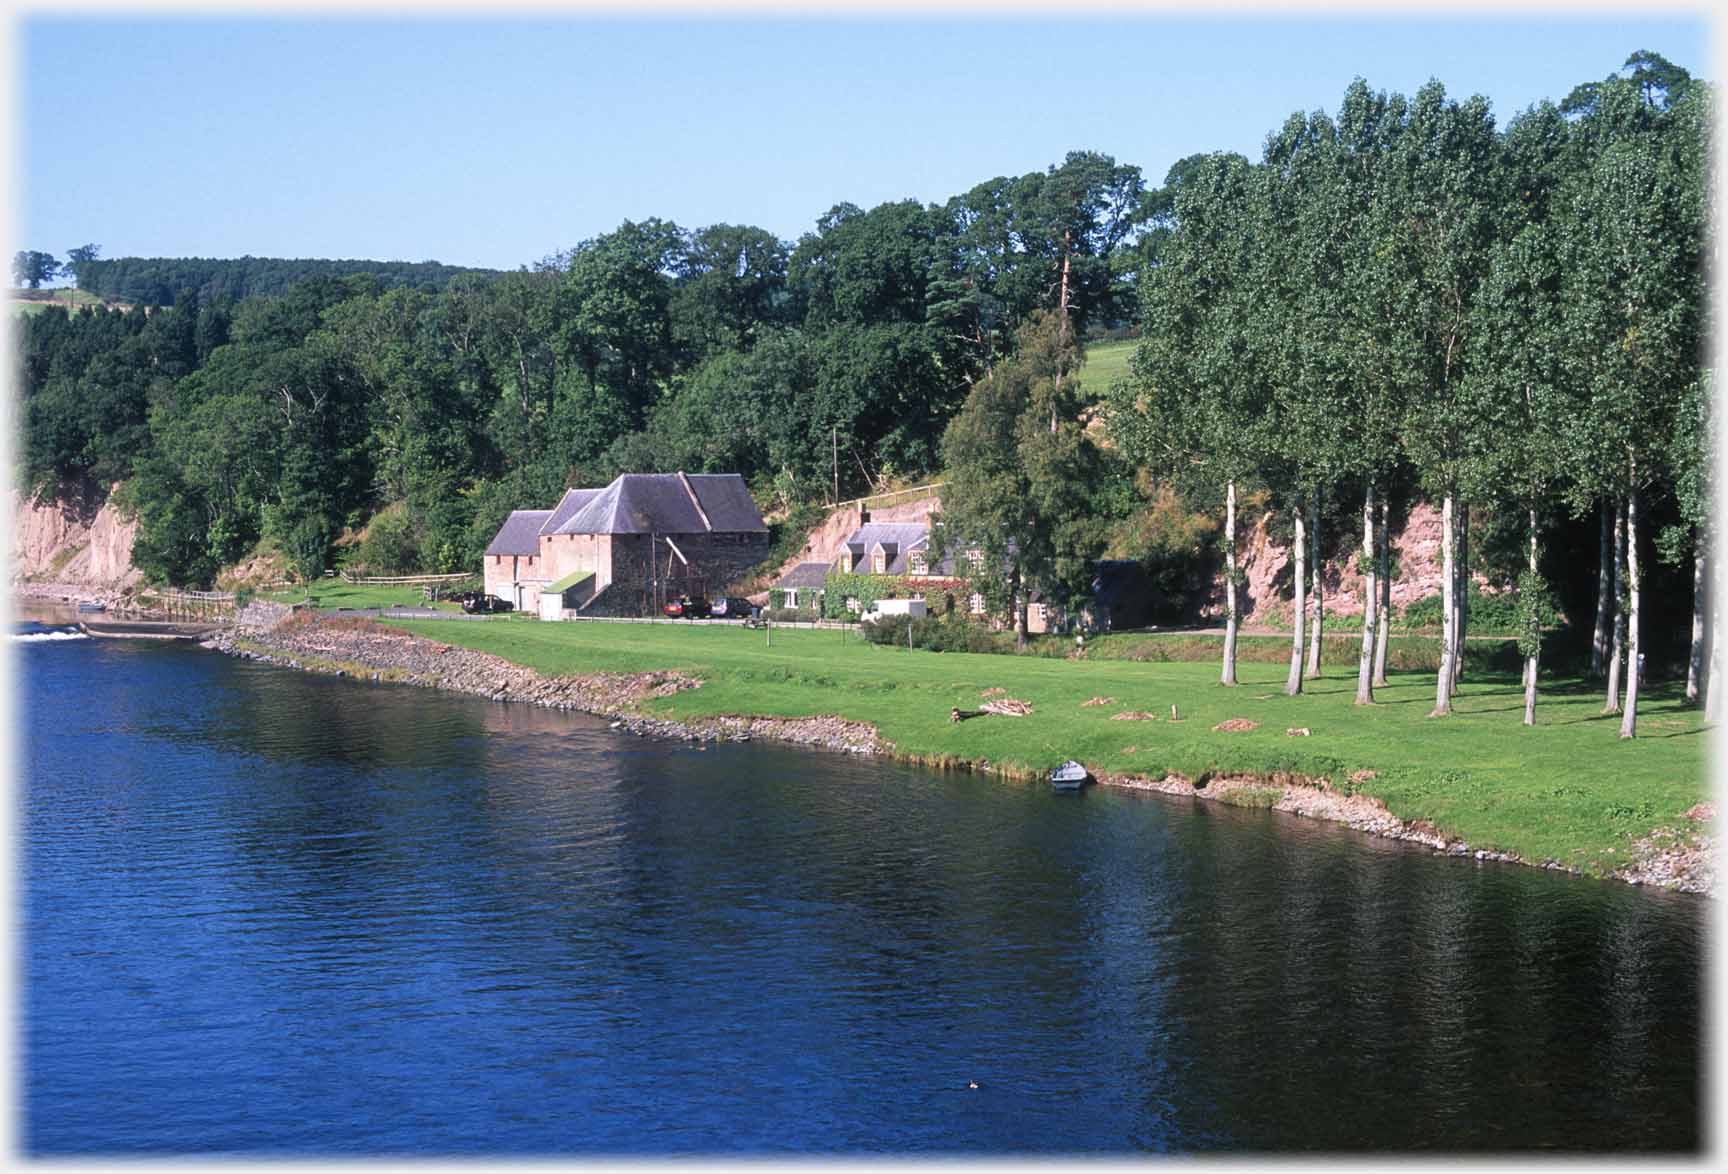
[(686, 607), (729, 607), (479, 603)]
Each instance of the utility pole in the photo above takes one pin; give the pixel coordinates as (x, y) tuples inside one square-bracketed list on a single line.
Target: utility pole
[(835, 438)]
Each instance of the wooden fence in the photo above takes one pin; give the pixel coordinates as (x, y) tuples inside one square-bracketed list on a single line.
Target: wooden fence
[(859, 501), (200, 605), (407, 580)]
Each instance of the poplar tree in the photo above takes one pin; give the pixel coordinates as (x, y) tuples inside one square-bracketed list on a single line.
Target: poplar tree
[(1197, 406), (1631, 241), (1442, 177)]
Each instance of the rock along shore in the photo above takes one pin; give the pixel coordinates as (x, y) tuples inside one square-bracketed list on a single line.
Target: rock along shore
[(364, 650)]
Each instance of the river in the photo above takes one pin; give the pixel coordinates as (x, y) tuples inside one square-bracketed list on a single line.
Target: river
[(264, 913)]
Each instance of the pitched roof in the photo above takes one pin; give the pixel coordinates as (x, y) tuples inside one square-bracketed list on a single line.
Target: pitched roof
[(568, 505), (520, 533), (899, 535), (666, 503), (805, 575)]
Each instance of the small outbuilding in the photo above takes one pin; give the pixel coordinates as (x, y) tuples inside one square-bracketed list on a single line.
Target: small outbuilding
[(804, 585)]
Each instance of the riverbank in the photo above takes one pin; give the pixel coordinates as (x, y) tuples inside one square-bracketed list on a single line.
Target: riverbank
[(731, 687)]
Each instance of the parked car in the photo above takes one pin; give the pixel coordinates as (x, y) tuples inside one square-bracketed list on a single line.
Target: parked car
[(729, 607), (686, 607), (479, 603)]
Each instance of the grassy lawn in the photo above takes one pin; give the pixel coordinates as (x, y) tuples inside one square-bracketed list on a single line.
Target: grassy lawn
[(1105, 364), (1568, 790), (335, 593)]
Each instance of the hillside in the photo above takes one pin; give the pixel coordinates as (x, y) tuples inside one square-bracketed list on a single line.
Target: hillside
[(1106, 362), (34, 301)]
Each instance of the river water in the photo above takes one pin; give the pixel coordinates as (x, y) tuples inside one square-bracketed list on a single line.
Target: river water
[(265, 913)]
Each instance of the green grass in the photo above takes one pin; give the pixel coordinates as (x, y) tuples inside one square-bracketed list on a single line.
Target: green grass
[(1567, 790), (1105, 364), (335, 593)]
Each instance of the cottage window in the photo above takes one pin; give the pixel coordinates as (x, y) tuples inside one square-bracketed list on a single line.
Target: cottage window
[(977, 604), (915, 563), (852, 603), (881, 563), (976, 559)]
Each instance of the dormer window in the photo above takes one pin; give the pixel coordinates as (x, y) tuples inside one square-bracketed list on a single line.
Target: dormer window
[(916, 564), (975, 558), (881, 561)]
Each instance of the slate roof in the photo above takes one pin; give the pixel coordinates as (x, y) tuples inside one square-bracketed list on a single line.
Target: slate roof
[(664, 503), (805, 575), (901, 535), (568, 505), (520, 533)]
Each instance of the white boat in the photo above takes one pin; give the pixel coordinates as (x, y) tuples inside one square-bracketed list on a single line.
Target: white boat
[(1070, 776)]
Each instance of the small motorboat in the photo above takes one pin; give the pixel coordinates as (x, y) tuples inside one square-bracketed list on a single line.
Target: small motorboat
[(89, 605), (1070, 776)]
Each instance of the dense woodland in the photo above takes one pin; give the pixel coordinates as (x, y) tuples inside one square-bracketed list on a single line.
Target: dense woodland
[(1400, 299), (163, 281)]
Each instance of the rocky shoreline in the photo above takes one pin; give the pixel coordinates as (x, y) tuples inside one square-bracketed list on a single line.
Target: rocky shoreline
[(1669, 858)]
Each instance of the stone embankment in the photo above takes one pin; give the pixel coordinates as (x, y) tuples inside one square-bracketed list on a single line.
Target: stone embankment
[(272, 634), (375, 652)]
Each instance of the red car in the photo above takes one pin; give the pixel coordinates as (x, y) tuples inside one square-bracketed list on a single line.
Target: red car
[(685, 607)]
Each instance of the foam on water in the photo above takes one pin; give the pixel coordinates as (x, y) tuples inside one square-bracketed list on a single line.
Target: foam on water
[(34, 633)]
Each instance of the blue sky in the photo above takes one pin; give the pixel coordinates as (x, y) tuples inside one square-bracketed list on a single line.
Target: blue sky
[(497, 142)]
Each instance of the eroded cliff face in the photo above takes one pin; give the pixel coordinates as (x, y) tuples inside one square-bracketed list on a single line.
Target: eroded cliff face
[(1266, 567), (79, 538), (827, 540)]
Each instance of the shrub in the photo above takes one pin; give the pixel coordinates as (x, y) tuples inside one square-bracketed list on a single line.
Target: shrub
[(1498, 612), (933, 633), (390, 545)]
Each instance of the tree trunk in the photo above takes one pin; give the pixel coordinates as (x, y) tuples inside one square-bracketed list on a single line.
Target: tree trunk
[(1713, 677), (1461, 595), (1314, 561), (1298, 611), (1370, 589), (1604, 592), (1700, 589), (1019, 607), (1384, 537), (1629, 723), (1228, 676), (1448, 616), (1617, 637), (1062, 309), (1530, 661)]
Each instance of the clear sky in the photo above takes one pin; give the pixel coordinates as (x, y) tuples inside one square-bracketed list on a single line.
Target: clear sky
[(496, 142)]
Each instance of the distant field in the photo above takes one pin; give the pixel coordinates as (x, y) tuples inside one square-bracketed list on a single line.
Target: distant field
[(1105, 364), (26, 301)]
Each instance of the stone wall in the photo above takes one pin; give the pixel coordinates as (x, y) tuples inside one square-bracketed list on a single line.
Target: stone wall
[(716, 562)]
